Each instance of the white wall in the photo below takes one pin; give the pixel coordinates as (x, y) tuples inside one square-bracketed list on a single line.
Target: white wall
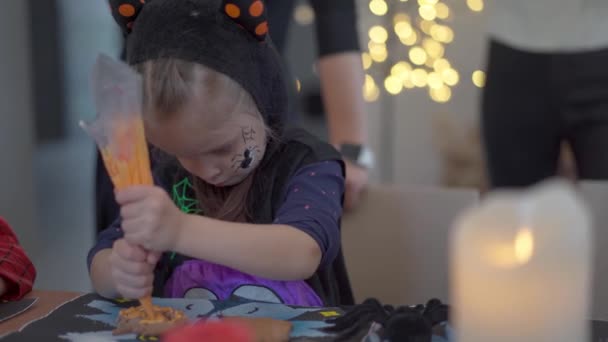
[(87, 30), (16, 122), (402, 125)]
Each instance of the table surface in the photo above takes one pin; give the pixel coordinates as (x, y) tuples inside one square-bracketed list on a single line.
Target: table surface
[(50, 300), (47, 301)]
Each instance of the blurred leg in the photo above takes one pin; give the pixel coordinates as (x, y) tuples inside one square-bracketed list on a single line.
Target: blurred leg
[(520, 124), (586, 112)]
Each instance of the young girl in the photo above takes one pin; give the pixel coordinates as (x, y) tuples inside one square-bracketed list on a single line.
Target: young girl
[(255, 207)]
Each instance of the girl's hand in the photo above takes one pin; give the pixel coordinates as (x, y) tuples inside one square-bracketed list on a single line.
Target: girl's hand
[(149, 218), (132, 269)]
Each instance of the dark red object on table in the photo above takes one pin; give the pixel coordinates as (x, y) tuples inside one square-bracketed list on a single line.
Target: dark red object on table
[(16, 268), (220, 331)]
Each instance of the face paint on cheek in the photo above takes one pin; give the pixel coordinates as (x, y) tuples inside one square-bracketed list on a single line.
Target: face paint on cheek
[(245, 160), (248, 134), (249, 157)]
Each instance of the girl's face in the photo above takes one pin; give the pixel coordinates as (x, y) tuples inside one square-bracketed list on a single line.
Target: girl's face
[(222, 149)]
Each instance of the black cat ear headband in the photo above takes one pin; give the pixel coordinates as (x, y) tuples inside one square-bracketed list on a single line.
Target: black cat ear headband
[(248, 14), (229, 36)]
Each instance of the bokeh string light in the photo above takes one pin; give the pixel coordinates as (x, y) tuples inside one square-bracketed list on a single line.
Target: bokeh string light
[(407, 49)]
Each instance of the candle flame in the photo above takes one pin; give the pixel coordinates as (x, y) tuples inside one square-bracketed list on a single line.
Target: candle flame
[(511, 253), (524, 246)]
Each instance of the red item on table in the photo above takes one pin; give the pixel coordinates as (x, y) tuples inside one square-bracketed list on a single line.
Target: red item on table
[(16, 268), (207, 331)]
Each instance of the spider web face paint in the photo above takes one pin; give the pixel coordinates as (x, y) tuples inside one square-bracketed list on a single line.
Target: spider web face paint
[(247, 159), (180, 196), (180, 193), (248, 134)]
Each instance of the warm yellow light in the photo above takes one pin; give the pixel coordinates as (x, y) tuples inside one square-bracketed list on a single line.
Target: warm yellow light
[(427, 12), (304, 14), (441, 64), (443, 11), (407, 84), (510, 254), (378, 34), (380, 57), (419, 78), (441, 95), (298, 85), (366, 60), (479, 78), (450, 77), (401, 17), (378, 7), (372, 95), (435, 81), (417, 55), (433, 48), (409, 40), (393, 85), (378, 52), (475, 5), (524, 246), (442, 33), (402, 70), (403, 29), (371, 92), (426, 26)]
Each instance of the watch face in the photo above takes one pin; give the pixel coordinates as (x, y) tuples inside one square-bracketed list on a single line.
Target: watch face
[(358, 154), (351, 151)]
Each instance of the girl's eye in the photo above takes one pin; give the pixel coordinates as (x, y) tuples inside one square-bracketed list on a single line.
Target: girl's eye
[(223, 149)]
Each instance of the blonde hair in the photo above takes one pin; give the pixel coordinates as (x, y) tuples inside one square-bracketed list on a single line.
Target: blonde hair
[(168, 84)]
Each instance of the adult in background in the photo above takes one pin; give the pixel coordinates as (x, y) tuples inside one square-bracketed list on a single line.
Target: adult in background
[(547, 83)]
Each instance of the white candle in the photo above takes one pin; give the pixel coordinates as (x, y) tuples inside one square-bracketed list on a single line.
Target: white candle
[(521, 268)]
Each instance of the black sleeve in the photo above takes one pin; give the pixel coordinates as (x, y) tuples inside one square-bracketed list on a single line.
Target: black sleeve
[(336, 23)]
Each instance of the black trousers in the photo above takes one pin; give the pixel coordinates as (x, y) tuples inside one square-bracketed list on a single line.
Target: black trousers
[(534, 101)]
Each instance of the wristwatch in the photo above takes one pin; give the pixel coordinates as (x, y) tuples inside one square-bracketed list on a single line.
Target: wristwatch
[(358, 154)]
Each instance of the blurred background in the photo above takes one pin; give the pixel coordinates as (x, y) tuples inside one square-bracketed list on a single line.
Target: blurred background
[(424, 70)]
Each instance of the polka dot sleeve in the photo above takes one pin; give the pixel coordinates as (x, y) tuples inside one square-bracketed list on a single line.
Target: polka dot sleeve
[(313, 204), (105, 240)]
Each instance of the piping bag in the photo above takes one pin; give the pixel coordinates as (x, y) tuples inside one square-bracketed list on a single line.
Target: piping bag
[(118, 129)]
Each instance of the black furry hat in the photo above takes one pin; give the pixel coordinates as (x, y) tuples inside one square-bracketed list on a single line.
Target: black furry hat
[(228, 36)]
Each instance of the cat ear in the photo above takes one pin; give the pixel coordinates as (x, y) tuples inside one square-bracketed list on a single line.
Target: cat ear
[(248, 14), (125, 12)]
